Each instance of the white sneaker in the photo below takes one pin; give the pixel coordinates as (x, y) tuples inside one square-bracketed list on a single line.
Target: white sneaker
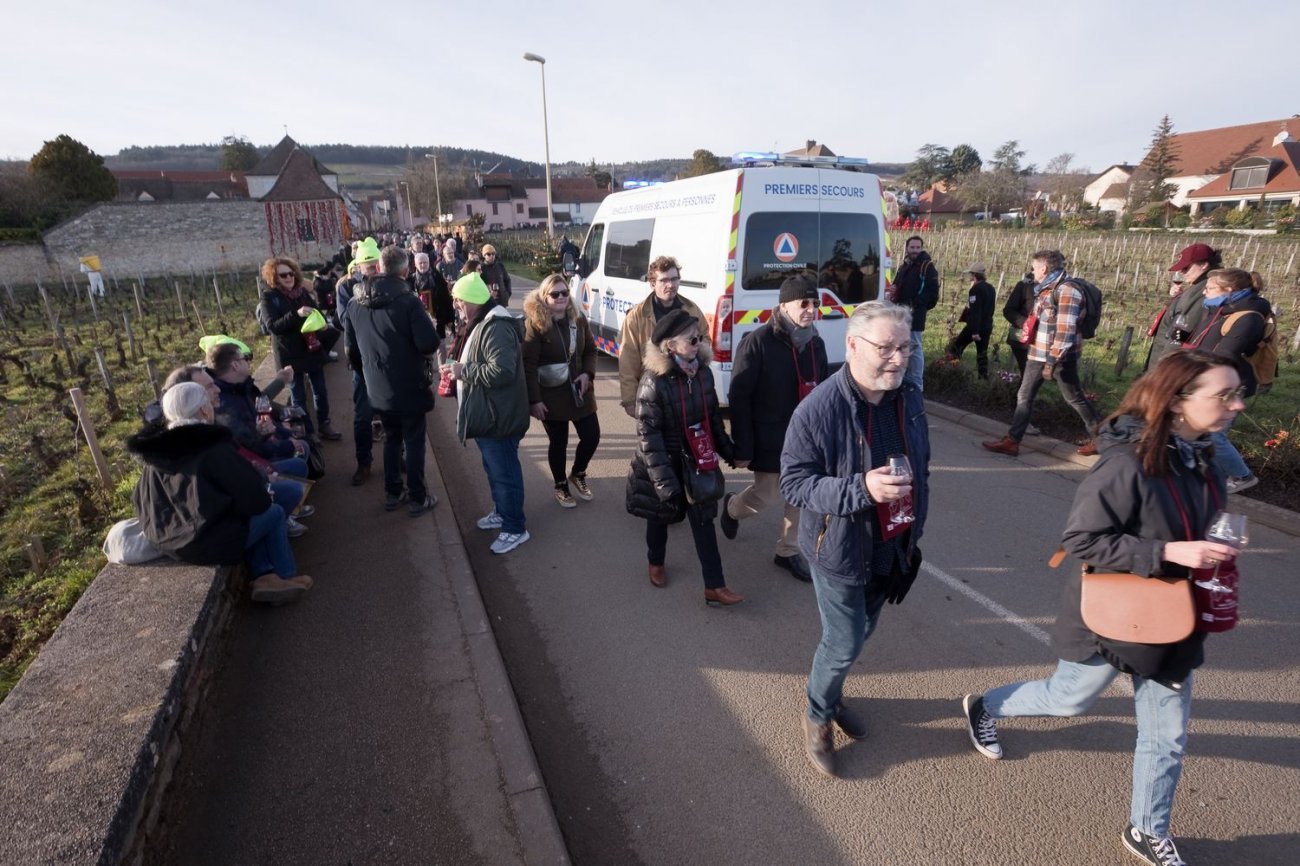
[(508, 541), (1236, 483), (294, 528), (1031, 430), (491, 520)]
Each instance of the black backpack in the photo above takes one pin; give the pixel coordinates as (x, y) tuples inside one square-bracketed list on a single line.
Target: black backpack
[(1090, 310)]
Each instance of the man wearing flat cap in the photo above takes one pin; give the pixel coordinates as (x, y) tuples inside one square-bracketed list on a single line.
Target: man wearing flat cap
[(776, 366), (978, 316), (1182, 316)]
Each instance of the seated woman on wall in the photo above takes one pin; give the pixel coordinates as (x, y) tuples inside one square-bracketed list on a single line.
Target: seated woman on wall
[(199, 502)]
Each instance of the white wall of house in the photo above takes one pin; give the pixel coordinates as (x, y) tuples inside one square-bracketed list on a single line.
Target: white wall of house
[(1092, 192), (1112, 204), (1187, 184)]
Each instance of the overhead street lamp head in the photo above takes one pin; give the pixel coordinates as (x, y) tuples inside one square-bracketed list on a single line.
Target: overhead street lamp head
[(535, 58)]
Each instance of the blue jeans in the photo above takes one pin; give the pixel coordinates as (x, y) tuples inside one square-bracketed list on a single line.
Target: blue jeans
[(1162, 715), (505, 479), (916, 362), (849, 614), (1227, 456), (297, 390), (295, 466), (287, 494), (404, 429), (267, 548), (1066, 377), (706, 545), (362, 415)]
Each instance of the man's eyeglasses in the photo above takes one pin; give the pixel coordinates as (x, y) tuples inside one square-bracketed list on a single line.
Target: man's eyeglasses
[(489, 255), (1226, 398), (668, 281), (888, 351), (807, 303), (555, 296)]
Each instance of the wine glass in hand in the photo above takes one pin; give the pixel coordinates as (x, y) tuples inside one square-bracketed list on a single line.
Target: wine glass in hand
[(1230, 529)]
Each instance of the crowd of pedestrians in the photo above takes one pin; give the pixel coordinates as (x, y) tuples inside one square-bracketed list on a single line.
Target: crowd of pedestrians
[(844, 454)]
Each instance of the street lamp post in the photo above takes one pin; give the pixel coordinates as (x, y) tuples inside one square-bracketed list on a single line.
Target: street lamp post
[(437, 190), (546, 134)]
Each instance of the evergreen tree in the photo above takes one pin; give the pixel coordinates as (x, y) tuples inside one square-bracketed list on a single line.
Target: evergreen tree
[(73, 171), (1161, 162)]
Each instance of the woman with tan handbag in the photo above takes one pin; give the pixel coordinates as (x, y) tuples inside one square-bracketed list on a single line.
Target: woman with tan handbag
[(1143, 509)]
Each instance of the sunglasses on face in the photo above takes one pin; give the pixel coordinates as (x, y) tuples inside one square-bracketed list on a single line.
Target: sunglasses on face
[(807, 303), (691, 341), (555, 296), (283, 274)]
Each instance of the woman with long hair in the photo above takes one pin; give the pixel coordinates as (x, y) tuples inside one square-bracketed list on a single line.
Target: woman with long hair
[(559, 366), (285, 306), (1144, 508)]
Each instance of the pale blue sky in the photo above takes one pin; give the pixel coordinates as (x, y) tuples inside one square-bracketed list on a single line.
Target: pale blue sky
[(649, 79)]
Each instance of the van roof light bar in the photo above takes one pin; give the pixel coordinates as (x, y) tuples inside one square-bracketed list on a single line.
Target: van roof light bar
[(750, 158)]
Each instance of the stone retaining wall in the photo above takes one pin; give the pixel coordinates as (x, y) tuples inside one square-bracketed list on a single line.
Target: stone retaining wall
[(151, 239), (91, 734)]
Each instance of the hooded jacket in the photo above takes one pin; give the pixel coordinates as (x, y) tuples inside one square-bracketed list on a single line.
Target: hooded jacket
[(1120, 521), (390, 338), (917, 286), (654, 480), (196, 494), (545, 342), (1188, 305), (1241, 340), (765, 390), (492, 393), (822, 466)]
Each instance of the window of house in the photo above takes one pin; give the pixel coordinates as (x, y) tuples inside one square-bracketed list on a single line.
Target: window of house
[(519, 207), (469, 210), (495, 212), (1250, 172)]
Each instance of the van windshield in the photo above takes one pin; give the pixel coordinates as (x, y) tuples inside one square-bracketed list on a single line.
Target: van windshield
[(841, 251)]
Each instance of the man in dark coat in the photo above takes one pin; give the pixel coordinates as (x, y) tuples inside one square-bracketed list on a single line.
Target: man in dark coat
[(495, 275), (916, 286), (1181, 318), (776, 366), (1019, 305), (391, 340), (978, 316)]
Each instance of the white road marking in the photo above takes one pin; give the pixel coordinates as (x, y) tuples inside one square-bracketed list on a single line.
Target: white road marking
[(989, 604)]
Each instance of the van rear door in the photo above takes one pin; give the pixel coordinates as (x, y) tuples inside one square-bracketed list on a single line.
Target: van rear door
[(834, 242)]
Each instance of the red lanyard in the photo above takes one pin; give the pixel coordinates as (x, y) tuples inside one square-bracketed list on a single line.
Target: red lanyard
[(681, 393), (1218, 312), (799, 373), (1182, 512)]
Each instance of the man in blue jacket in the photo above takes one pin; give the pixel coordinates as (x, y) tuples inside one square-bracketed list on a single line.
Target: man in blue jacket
[(835, 468)]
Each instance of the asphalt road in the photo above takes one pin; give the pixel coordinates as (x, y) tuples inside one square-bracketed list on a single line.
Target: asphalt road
[(668, 732)]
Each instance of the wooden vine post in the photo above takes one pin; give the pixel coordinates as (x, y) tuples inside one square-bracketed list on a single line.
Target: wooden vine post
[(88, 429)]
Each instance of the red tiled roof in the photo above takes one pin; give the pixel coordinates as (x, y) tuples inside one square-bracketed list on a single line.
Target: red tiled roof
[(1213, 151), (300, 180), (1116, 190), (1283, 179), (937, 201)]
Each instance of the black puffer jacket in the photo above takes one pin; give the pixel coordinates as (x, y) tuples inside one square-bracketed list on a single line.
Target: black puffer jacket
[(196, 494), (765, 390), (1120, 521), (654, 481)]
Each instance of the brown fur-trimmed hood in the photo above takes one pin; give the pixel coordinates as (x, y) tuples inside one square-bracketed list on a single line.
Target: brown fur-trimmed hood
[(654, 359)]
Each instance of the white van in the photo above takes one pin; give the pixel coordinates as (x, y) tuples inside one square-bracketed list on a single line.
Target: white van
[(737, 235)]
